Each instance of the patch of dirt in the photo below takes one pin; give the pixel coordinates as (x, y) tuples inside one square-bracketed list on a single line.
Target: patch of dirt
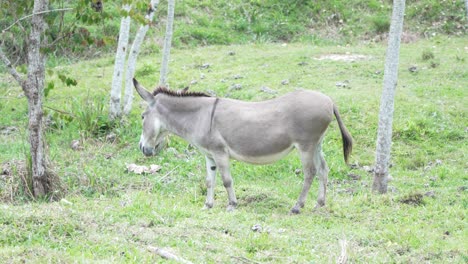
[(347, 57), (413, 199), (255, 198), (8, 130), (406, 37), (260, 198), (409, 37)]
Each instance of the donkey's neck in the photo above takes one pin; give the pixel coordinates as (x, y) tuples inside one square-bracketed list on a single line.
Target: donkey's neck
[(186, 117)]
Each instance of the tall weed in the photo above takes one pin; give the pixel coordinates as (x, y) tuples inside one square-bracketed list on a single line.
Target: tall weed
[(90, 116)]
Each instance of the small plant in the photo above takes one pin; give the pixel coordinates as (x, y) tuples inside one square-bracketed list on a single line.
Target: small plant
[(434, 64), (427, 55), (91, 117), (459, 58), (146, 70)]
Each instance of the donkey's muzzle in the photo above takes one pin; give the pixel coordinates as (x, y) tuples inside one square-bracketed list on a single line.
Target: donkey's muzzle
[(147, 151), (151, 151)]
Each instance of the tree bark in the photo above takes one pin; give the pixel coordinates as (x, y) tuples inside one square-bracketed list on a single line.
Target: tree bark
[(116, 89), (132, 57), (33, 88), (167, 43), (384, 133), (466, 7)]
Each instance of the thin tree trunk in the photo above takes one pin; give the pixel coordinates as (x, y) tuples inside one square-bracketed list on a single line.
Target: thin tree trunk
[(33, 88), (132, 57), (167, 43), (384, 134), (116, 89), (466, 7)]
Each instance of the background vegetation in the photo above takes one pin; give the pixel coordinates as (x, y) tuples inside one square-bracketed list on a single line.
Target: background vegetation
[(207, 22), (103, 213)]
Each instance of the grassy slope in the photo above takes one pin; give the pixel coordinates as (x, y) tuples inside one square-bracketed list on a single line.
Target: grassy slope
[(115, 215), (207, 22)]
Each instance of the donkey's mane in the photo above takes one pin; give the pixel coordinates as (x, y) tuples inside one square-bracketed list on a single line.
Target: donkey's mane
[(165, 90)]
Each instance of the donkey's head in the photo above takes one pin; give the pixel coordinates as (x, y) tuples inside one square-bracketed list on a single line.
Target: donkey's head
[(152, 138)]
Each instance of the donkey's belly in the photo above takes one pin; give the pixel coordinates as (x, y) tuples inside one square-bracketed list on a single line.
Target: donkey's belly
[(260, 158)]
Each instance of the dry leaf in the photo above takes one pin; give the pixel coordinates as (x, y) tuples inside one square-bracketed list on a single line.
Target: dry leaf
[(138, 169)]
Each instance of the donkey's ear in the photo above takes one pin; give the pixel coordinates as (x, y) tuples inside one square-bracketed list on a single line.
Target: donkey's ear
[(145, 95)]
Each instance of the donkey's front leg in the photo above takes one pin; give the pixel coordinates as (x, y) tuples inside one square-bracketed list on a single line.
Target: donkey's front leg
[(223, 165), (210, 182)]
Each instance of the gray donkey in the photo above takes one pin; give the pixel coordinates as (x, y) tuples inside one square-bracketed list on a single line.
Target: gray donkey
[(253, 132)]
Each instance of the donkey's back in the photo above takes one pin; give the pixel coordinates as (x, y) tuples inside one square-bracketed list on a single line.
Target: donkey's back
[(263, 132)]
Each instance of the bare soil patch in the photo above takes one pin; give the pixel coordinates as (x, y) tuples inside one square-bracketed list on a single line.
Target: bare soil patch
[(344, 57)]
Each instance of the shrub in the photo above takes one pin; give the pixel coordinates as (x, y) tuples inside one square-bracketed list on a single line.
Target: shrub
[(381, 24)]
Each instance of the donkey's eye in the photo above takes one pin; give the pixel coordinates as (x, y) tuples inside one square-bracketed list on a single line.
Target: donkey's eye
[(142, 117)]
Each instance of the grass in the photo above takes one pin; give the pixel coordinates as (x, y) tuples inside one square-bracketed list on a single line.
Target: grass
[(108, 215), (227, 22)]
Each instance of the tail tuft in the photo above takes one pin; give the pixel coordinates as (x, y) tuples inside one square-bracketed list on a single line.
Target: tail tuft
[(345, 135)]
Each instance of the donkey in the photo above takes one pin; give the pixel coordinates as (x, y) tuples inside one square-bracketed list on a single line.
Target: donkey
[(252, 132)]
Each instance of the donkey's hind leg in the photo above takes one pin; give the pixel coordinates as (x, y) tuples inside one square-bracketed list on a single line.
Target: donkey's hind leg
[(222, 161), (309, 169), (322, 171)]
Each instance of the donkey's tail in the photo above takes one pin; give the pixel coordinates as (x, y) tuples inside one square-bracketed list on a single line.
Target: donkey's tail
[(345, 135)]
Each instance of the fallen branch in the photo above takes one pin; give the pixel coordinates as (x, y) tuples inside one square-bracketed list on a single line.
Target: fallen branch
[(344, 257), (169, 173), (245, 260), (167, 255)]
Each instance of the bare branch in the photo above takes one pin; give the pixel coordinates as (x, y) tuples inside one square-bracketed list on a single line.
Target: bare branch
[(11, 69), (344, 256), (38, 13), (59, 111)]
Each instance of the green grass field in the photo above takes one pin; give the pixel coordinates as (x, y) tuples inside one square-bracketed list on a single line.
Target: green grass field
[(108, 215)]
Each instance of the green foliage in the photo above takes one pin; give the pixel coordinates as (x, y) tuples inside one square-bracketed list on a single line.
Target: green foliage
[(83, 32), (145, 70), (381, 24), (90, 116)]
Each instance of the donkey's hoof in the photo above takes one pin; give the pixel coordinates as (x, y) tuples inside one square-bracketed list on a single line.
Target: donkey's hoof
[(230, 208), (207, 206), (318, 206), (295, 210)]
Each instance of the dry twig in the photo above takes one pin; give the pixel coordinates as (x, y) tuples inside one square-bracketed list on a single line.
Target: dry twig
[(343, 257)]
